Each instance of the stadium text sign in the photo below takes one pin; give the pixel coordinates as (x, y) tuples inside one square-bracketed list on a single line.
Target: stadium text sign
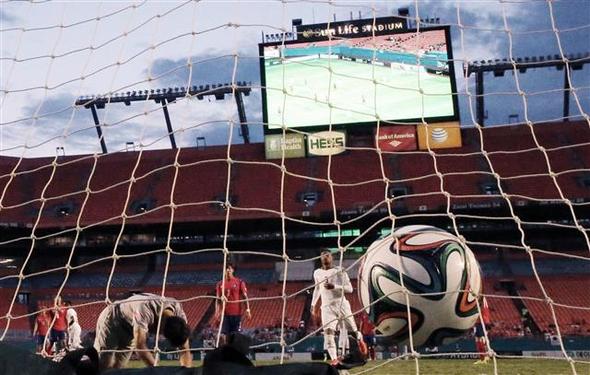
[(366, 27), (396, 138), (292, 143), (326, 143)]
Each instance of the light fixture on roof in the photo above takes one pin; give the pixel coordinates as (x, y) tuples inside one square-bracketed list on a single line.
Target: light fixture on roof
[(165, 96)]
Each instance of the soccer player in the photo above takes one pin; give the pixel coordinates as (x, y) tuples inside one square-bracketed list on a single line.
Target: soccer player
[(480, 338), (125, 325), (232, 315), (41, 328), (331, 283), (74, 329), (367, 328), (60, 325)]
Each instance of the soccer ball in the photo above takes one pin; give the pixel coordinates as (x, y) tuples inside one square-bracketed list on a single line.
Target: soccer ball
[(439, 274)]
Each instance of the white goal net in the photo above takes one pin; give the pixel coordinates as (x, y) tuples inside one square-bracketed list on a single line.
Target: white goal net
[(144, 146)]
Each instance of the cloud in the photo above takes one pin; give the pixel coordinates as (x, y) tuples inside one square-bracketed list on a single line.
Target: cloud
[(6, 17), (207, 69), (56, 114), (64, 125), (122, 124), (479, 24)]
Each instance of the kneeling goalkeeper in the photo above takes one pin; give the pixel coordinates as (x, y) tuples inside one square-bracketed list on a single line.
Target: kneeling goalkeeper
[(124, 327)]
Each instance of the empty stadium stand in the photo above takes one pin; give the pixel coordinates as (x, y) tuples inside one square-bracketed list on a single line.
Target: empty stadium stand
[(418, 182), (572, 292), (150, 193)]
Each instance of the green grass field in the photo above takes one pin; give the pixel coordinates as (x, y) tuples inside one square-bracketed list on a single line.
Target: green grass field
[(453, 366), (350, 87)]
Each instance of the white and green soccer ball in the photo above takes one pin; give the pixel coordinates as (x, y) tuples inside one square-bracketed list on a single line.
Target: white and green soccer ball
[(441, 277)]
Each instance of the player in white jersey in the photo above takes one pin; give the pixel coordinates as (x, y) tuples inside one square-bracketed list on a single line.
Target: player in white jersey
[(74, 329), (125, 326), (331, 284)]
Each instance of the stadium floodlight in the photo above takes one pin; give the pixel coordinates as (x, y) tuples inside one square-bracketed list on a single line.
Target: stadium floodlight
[(201, 142), (498, 67), (164, 96)]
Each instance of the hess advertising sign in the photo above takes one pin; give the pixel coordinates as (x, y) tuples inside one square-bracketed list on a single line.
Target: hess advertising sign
[(326, 143), (397, 138)]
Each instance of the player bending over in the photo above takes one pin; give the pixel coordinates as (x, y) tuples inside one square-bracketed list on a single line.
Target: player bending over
[(126, 324), (331, 283)]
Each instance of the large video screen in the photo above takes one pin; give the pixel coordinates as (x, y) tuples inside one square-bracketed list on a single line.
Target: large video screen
[(358, 80)]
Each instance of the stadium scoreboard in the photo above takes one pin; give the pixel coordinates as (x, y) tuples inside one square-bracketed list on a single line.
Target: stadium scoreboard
[(351, 75)]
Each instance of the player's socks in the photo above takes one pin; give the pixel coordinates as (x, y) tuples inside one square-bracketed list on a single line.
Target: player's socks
[(482, 350), (331, 346), (353, 359)]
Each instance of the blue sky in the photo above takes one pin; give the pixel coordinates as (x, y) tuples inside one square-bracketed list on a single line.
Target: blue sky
[(120, 46)]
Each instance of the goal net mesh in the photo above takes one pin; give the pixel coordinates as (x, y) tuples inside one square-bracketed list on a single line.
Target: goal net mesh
[(123, 168)]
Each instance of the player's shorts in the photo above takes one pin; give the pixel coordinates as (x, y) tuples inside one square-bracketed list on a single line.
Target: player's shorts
[(40, 339), (479, 330), (231, 324), (57, 335), (113, 333), (369, 340), (335, 312)]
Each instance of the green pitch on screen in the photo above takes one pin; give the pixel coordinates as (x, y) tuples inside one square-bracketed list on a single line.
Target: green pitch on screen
[(356, 91)]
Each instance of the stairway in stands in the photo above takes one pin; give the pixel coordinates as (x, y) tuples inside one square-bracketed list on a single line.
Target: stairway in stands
[(206, 317), (512, 290), (151, 267), (526, 318)]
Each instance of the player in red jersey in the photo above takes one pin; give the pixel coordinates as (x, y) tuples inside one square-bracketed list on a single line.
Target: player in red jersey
[(232, 315), (60, 326), (41, 329), (367, 328), (480, 339)]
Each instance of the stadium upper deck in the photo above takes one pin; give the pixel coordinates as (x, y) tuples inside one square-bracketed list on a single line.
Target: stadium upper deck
[(357, 177)]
